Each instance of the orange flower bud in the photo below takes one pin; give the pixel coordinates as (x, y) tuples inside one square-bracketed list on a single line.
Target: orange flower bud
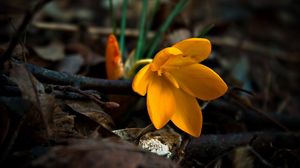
[(113, 56)]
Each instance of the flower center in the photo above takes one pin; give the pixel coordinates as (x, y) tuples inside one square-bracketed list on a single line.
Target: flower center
[(163, 73), (157, 70)]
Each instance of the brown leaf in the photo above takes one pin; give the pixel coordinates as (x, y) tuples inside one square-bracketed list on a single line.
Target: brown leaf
[(52, 52), (64, 125), (162, 142), (34, 91), (112, 153), (92, 111), (242, 157)]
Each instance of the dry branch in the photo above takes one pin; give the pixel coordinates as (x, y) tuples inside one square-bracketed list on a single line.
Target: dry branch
[(209, 147), (251, 46), (92, 30), (103, 85)]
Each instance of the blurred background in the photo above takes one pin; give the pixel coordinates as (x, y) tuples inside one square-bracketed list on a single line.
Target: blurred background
[(255, 48)]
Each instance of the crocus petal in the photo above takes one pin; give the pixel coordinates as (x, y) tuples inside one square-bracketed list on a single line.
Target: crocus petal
[(163, 56), (178, 61), (142, 80), (199, 81), (188, 115), (113, 63), (196, 48), (160, 101), (171, 79)]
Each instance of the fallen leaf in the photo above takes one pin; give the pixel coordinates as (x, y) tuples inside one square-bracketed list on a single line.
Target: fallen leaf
[(111, 152), (34, 91), (162, 142), (92, 111), (52, 52)]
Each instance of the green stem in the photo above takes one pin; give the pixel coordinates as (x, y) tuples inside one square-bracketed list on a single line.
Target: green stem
[(112, 14), (151, 16), (149, 23), (123, 27), (205, 30), (137, 65), (142, 30), (158, 36)]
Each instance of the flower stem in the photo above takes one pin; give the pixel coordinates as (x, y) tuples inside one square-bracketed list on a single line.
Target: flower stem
[(138, 64), (141, 40), (158, 36), (123, 27)]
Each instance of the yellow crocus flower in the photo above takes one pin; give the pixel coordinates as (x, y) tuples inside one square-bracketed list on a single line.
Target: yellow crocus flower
[(174, 80)]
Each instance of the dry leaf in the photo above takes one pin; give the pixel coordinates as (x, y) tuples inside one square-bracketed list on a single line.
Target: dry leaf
[(162, 142), (52, 52), (34, 91), (112, 153), (92, 111), (242, 158)]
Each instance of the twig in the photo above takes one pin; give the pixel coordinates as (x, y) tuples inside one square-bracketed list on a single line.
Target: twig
[(234, 88), (208, 147), (103, 85), (253, 47), (263, 160), (14, 91), (90, 96), (96, 31), (180, 153), (144, 131), (68, 95), (27, 19), (258, 111), (225, 153)]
